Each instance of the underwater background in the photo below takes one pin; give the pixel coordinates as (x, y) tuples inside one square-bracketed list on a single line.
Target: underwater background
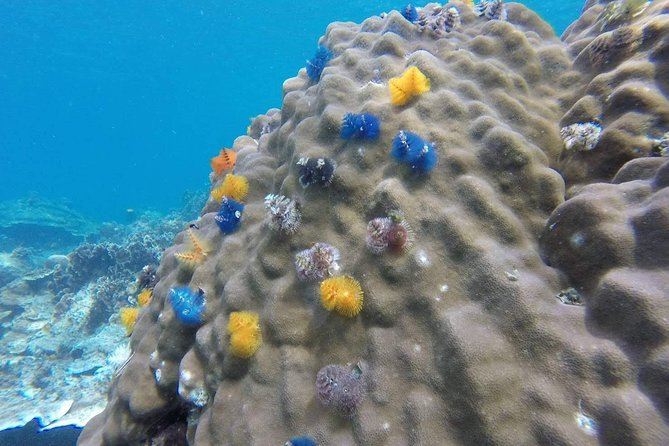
[(114, 106)]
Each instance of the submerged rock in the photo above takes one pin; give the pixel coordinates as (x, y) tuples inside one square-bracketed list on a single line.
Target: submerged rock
[(36, 222)]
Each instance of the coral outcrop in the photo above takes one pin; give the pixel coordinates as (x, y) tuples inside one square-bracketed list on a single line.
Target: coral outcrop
[(461, 339)]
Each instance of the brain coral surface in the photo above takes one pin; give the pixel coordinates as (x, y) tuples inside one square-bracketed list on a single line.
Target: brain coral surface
[(461, 339)]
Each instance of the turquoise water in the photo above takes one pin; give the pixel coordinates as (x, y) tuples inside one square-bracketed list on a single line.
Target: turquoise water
[(115, 105)]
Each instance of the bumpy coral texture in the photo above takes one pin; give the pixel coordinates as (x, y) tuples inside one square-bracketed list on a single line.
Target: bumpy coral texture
[(461, 339), (624, 58), (612, 241)]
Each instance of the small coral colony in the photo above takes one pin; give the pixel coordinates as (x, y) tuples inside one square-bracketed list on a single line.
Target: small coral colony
[(337, 386)]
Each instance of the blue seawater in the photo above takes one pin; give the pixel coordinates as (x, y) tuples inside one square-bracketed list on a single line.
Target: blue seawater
[(118, 105)]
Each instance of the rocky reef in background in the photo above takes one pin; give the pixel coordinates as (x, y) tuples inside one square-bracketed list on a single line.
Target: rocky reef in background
[(532, 305), (63, 279), (35, 222)]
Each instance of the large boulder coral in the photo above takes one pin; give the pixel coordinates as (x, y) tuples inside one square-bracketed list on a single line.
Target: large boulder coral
[(612, 241), (461, 339), (622, 49)]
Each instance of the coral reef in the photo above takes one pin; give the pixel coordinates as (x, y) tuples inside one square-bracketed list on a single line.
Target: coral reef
[(108, 262), (61, 316), (531, 306), (36, 222), (620, 48)]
